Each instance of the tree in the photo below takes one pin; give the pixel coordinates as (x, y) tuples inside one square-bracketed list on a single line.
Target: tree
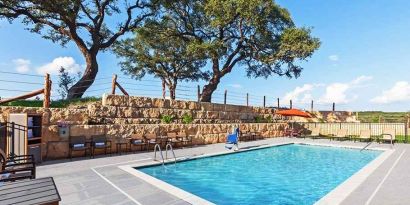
[(258, 35), (80, 21), (65, 81), (156, 53)]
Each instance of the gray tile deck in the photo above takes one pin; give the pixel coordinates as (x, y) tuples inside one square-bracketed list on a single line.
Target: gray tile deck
[(100, 181)]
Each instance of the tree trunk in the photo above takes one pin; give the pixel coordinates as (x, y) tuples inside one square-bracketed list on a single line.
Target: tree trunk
[(91, 70), (164, 92), (208, 89), (172, 89)]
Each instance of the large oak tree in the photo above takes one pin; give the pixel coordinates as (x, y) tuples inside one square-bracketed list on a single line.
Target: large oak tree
[(83, 22), (257, 35), (152, 51)]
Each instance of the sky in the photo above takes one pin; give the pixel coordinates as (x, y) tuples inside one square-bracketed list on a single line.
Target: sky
[(363, 62)]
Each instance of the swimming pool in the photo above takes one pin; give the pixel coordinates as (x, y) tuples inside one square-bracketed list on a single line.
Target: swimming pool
[(288, 174)]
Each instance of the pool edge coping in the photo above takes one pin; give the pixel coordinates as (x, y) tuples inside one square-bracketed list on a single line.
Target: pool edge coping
[(338, 193)]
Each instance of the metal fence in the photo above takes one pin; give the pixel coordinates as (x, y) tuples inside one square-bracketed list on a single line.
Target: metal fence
[(12, 138), (355, 128)]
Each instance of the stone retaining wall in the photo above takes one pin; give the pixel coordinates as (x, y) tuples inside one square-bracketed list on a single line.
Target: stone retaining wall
[(119, 116)]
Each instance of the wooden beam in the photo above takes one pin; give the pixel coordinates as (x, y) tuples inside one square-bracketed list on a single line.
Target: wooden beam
[(25, 96), (47, 91), (113, 84), (121, 88), (247, 99)]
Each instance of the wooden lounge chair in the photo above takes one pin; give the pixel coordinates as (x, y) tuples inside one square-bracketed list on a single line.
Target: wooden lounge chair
[(340, 135), (173, 139), (78, 143), (99, 142), (388, 135), (315, 133), (365, 135), (185, 139), (138, 140), (16, 167), (152, 139)]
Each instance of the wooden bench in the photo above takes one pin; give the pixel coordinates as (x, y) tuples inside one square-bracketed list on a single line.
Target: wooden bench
[(27, 192)]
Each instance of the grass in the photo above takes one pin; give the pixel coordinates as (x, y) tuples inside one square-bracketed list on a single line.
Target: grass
[(375, 116), (53, 104)]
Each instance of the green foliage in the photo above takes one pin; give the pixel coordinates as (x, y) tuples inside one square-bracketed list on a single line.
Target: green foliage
[(187, 118), (54, 104), (269, 119), (258, 34), (65, 81), (374, 116), (167, 119), (258, 119), (152, 51)]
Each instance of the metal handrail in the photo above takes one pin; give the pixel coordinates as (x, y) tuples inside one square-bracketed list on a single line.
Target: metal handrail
[(172, 150), (160, 151)]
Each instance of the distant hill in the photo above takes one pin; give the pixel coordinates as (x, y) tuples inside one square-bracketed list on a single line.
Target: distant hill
[(376, 116)]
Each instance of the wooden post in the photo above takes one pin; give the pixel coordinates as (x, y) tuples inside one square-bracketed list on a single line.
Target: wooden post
[(47, 90), (199, 93), (278, 104), (113, 84), (121, 88), (247, 99), (333, 107), (264, 101), (226, 92), (290, 104), (311, 106)]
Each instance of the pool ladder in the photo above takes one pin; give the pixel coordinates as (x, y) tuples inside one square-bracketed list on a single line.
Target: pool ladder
[(391, 142), (158, 147)]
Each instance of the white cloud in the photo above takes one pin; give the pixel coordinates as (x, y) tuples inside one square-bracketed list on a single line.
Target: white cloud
[(338, 92), (300, 91), (22, 65), (334, 57), (398, 93), (235, 85), (54, 66)]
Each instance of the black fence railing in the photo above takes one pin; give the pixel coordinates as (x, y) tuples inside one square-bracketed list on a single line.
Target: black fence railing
[(12, 138), (352, 128)]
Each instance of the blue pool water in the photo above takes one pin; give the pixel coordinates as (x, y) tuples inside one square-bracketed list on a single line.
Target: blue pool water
[(290, 174)]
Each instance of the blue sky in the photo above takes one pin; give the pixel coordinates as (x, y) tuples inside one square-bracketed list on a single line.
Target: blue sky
[(363, 63)]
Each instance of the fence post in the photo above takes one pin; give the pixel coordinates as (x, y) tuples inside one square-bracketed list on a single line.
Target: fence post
[(113, 84), (199, 93), (226, 91), (247, 99), (278, 104), (311, 106), (12, 139), (47, 90), (264, 101), (290, 104)]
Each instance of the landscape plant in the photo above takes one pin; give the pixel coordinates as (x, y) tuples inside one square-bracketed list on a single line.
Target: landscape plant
[(167, 119), (187, 118)]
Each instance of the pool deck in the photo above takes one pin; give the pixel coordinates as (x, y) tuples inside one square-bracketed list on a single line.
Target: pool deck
[(101, 181)]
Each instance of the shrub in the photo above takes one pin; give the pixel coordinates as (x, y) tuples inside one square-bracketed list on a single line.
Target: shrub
[(269, 119), (258, 119), (187, 119), (167, 119)]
